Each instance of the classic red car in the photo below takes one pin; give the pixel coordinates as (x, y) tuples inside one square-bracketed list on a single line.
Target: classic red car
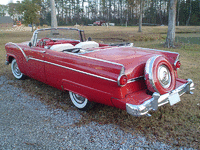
[(131, 78)]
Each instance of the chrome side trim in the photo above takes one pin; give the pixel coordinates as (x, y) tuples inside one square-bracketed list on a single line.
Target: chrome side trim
[(28, 58), (73, 69), (71, 54), (35, 50), (95, 59), (135, 79), (156, 50), (122, 71), (20, 49)]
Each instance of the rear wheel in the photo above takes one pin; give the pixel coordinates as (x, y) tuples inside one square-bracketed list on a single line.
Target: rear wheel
[(15, 70), (80, 102)]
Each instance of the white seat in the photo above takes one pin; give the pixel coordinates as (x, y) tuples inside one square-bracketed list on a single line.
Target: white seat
[(87, 44), (61, 47)]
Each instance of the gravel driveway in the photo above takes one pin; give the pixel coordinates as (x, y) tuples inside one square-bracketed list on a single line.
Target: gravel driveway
[(26, 123)]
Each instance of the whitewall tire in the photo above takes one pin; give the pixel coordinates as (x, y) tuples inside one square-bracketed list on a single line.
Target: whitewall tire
[(15, 70), (80, 102)]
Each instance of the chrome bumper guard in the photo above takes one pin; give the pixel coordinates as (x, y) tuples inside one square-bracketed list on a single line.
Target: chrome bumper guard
[(158, 100)]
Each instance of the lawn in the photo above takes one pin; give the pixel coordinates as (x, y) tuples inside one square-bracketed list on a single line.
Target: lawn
[(178, 125)]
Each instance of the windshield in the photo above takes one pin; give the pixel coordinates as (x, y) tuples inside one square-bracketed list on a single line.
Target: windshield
[(57, 34)]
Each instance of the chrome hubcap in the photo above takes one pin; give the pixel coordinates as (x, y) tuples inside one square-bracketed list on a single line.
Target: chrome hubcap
[(79, 99), (16, 70), (164, 76)]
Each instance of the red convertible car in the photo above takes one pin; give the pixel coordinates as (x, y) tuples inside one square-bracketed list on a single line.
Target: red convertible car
[(134, 79)]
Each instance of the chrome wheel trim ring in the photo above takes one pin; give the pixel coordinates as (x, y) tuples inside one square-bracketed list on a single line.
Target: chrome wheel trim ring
[(78, 100), (15, 70), (149, 72)]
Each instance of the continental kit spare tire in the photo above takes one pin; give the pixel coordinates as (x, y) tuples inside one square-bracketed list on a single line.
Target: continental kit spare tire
[(159, 75)]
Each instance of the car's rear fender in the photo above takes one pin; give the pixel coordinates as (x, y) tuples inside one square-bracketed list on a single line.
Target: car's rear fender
[(92, 94)]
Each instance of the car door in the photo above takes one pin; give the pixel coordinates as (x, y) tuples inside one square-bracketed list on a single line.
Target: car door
[(35, 64), (53, 68)]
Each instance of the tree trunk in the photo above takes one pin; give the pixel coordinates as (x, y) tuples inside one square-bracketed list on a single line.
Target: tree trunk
[(118, 11), (77, 11), (114, 9), (53, 14), (161, 22), (82, 8), (177, 19), (62, 2), (109, 14), (140, 19), (171, 24), (58, 10), (121, 12), (188, 20)]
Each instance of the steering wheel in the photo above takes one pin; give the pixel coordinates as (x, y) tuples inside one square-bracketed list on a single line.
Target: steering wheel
[(42, 43)]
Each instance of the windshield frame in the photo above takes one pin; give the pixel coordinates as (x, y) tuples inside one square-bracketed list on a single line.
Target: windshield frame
[(34, 37)]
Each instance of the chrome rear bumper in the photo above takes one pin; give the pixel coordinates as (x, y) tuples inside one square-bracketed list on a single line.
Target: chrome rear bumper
[(158, 100)]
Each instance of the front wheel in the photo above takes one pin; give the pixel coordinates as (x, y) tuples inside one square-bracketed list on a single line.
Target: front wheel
[(80, 102), (15, 70)]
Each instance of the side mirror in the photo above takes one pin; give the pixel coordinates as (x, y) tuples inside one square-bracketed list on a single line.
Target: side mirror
[(29, 44), (89, 39)]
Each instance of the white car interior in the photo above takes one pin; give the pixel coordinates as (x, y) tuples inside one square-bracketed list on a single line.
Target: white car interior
[(82, 46), (87, 44), (61, 47)]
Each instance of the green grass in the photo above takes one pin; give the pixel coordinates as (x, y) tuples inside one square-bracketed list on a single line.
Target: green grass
[(178, 125), (6, 37)]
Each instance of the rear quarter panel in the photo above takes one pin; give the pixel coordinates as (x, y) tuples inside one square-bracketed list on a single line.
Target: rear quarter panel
[(93, 79)]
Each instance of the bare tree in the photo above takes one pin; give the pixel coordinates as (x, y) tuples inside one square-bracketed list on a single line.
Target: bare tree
[(53, 14), (140, 19), (188, 20), (171, 24), (177, 19)]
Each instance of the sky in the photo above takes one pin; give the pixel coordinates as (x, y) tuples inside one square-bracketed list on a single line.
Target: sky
[(5, 2)]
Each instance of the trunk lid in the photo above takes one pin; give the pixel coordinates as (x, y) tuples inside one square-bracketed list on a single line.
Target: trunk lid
[(132, 58)]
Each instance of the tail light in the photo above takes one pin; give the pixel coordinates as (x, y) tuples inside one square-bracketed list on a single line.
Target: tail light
[(122, 80), (177, 64)]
